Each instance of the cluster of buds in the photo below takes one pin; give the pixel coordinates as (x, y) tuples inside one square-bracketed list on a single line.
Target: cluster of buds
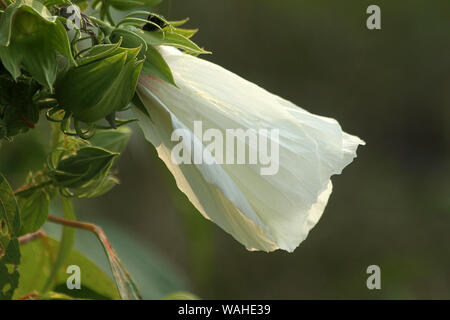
[(74, 80)]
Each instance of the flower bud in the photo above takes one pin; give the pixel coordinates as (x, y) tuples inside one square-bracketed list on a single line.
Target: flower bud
[(103, 83), (79, 170)]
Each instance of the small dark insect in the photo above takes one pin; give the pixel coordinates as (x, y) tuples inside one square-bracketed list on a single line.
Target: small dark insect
[(155, 19)]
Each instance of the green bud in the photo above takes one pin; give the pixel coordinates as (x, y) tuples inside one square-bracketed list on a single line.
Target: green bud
[(103, 83), (87, 165), (29, 38)]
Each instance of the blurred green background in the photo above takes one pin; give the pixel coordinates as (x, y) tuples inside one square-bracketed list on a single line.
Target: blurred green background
[(390, 207)]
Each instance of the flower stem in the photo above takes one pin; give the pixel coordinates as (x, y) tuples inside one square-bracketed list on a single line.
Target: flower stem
[(74, 224), (28, 188), (99, 233), (30, 296), (31, 236)]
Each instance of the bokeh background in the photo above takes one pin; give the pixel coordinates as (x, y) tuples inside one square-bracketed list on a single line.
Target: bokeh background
[(391, 207)]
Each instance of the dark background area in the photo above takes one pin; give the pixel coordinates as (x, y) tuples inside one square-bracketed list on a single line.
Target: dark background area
[(390, 207)]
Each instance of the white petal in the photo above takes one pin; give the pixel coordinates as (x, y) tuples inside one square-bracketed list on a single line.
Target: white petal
[(261, 212)]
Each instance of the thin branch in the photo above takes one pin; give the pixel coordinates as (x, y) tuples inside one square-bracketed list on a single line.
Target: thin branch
[(127, 288), (31, 236), (30, 296), (32, 187), (82, 225)]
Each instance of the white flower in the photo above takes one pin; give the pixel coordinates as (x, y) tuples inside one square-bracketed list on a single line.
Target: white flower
[(263, 212)]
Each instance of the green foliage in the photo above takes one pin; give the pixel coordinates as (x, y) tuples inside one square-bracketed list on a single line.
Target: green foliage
[(157, 66), (155, 31), (125, 284), (37, 263), (34, 211), (65, 245), (9, 244), (174, 39), (26, 41), (80, 73), (18, 111)]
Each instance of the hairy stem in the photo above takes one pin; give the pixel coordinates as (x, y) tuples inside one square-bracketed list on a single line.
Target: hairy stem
[(99, 233), (127, 288), (30, 296), (28, 188), (31, 236)]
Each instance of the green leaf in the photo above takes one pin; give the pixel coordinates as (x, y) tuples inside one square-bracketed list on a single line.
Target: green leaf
[(9, 244), (129, 38), (19, 113), (188, 33), (34, 211), (9, 274), (155, 276), (178, 23), (169, 38), (66, 244), (155, 65), (125, 284), (37, 260), (10, 61), (8, 17), (140, 105), (112, 140), (24, 40)]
